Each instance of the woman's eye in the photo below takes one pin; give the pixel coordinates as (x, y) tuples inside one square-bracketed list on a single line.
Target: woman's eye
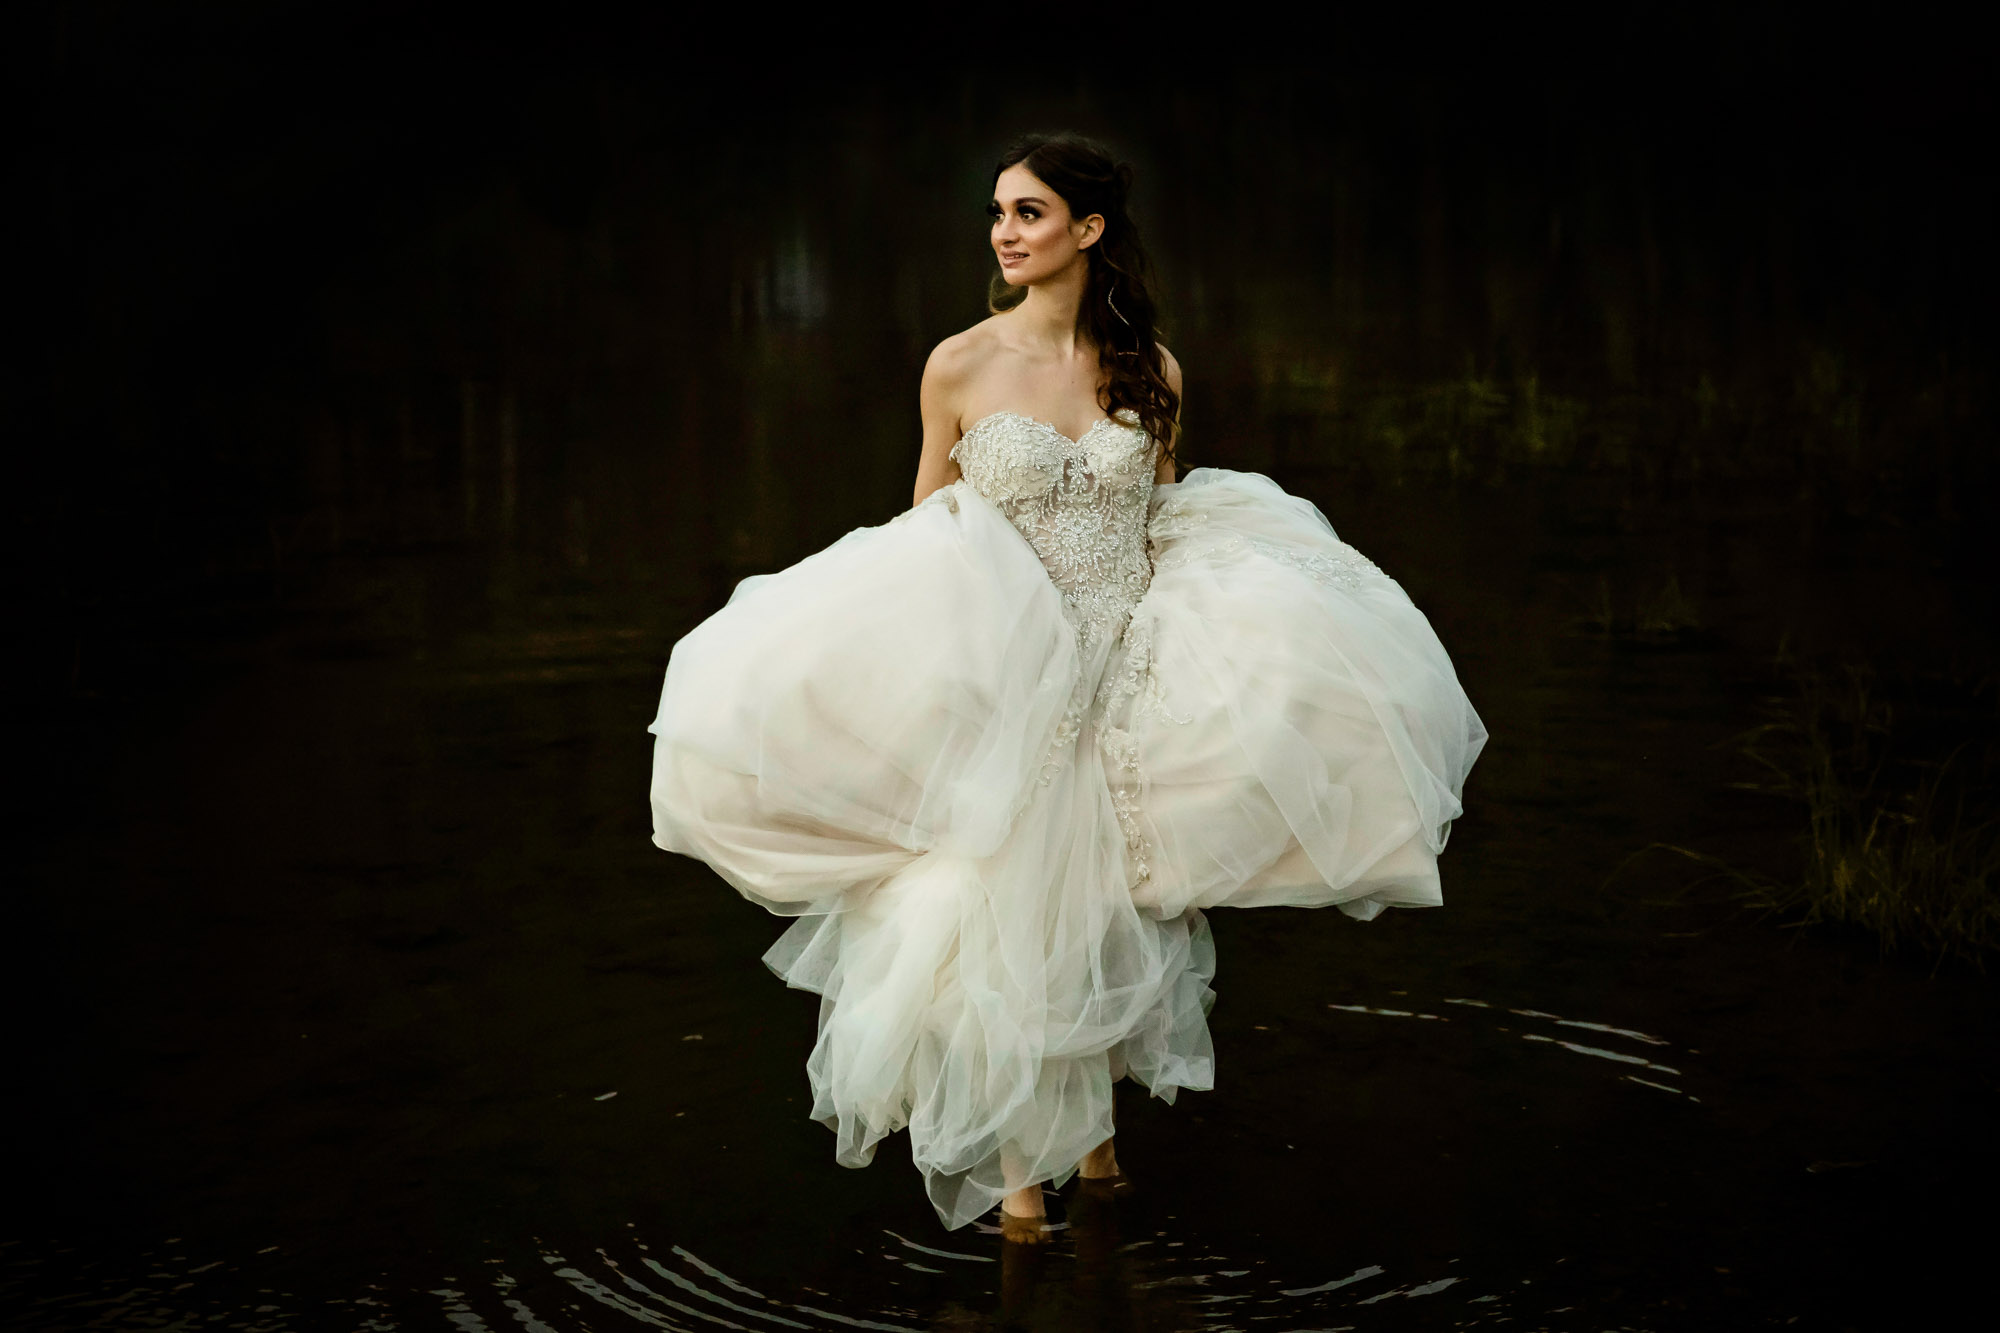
[(1030, 214)]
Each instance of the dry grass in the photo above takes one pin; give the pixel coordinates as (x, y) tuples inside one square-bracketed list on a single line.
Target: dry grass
[(1902, 837)]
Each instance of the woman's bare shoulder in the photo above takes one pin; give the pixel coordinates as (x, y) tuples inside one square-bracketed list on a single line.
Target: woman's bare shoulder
[(1173, 368), (965, 353), (951, 373)]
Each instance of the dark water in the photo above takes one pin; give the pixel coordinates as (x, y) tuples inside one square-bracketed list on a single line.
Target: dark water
[(398, 441)]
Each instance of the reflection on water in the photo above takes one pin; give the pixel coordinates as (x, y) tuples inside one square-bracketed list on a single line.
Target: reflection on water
[(1622, 1057), (1093, 1278), (1113, 1265)]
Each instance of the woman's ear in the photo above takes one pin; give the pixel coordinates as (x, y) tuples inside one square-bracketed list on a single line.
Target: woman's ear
[(1092, 230)]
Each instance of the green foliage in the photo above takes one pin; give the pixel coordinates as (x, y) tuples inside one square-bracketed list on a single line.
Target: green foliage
[(1463, 427), (1919, 442), (1663, 615)]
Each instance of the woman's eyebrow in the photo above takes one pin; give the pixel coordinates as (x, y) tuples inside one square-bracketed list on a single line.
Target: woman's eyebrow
[(1029, 199)]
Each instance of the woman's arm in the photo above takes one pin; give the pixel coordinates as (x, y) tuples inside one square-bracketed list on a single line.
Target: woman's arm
[(1164, 474), (938, 400)]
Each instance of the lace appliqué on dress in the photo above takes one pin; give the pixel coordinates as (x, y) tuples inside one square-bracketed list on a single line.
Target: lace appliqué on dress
[(1066, 734), (1080, 503), (1132, 690), (1128, 792), (1135, 680), (1344, 568)]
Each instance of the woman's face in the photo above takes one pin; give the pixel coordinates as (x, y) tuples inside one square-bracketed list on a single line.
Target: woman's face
[(1033, 234)]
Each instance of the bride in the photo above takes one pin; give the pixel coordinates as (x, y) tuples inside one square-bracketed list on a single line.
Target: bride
[(997, 754)]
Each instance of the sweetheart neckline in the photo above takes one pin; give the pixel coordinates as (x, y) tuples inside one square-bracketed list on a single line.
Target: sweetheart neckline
[(1074, 441)]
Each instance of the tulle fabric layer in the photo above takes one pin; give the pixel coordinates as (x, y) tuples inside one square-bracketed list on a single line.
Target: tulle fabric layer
[(892, 695), (989, 1005), (1297, 731), (1002, 918), (869, 741)]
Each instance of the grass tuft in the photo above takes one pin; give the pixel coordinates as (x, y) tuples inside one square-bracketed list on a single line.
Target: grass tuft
[(1901, 837)]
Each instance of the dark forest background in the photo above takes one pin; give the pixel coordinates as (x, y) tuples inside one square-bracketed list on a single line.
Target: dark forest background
[(276, 254)]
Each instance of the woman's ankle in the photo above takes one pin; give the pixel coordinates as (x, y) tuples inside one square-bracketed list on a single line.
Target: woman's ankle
[(1025, 1203), (1099, 1162)]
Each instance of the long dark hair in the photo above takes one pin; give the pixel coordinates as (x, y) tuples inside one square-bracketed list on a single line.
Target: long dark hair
[(1117, 311)]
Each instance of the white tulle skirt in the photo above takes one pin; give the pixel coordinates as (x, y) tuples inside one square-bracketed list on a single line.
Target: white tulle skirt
[(998, 891)]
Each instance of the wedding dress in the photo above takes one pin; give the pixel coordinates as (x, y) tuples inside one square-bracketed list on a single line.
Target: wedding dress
[(998, 753)]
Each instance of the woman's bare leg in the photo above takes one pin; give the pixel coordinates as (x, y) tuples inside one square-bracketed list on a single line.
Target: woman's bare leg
[(1101, 1162), (1025, 1201), (1023, 1214)]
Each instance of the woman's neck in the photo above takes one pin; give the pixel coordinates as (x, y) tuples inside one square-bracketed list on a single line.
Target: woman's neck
[(1048, 314)]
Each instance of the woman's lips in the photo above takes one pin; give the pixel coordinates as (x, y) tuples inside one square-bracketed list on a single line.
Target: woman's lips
[(1010, 258)]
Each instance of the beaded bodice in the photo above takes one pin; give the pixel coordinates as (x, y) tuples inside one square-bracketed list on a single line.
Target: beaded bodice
[(1082, 504)]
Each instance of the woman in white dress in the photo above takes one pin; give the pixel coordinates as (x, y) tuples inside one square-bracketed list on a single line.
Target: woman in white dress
[(997, 754)]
